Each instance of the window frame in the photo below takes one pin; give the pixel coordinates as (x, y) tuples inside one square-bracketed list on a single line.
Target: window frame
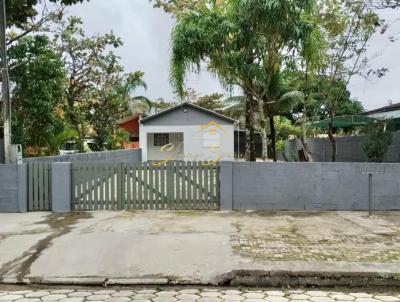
[(161, 139)]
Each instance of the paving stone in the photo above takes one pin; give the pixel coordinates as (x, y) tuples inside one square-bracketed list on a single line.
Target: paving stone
[(11, 297), (274, 293), (253, 295), (146, 291), (209, 299), (118, 299), (210, 294), (276, 299), (37, 294), (366, 300), (164, 299), (167, 293), (21, 292), (231, 292), (342, 297), (298, 297), (316, 293), (255, 300), (232, 297), (143, 296), (140, 300), (187, 297), (54, 297), (80, 294), (361, 295), (189, 291), (322, 299), (123, 293), (73, 299), (387, 298), (62, 291), (29, 300), (97, 297), (296, 291), (105, 292)]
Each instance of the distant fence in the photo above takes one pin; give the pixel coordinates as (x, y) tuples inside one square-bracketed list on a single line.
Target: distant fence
[(309, 186), (349, 149), (105, 156)]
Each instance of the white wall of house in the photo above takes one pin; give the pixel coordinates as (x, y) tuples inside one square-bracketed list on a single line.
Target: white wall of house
[(197, 143)]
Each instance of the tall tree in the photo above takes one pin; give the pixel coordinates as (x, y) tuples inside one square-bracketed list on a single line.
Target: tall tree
[(38, 79), (109, 103), (87, 60), (348, 26), (245, 43)]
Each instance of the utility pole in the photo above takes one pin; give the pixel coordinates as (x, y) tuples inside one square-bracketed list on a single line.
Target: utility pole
[(5, 84)]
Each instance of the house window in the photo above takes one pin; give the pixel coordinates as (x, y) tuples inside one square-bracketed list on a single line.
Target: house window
[(161, 139)]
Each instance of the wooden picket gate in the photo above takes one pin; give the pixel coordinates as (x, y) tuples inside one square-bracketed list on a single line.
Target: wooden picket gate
[(39, 186), (145, 186)]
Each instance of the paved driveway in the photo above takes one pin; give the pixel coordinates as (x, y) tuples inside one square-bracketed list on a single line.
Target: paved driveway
[(193, 247)]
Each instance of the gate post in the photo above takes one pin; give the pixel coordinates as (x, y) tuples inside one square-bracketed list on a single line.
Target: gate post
[(61, 187), (226, 185), (22, 188)]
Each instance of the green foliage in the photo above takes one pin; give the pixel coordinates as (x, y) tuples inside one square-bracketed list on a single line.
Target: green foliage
[(38, 79), (19, 11), (108, 104), (57, 139), (379, 139), (98, 92)]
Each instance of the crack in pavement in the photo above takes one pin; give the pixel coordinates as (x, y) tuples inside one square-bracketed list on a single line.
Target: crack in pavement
[(60, 224)]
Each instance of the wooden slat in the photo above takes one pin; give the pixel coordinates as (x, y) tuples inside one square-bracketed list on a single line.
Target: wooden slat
[(189, 191), (195, 184), (206, 186), (212, 188), (151, 187), (134, 187)]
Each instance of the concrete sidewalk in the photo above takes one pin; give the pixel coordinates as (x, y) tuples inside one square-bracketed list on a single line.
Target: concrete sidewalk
[(327, 248)]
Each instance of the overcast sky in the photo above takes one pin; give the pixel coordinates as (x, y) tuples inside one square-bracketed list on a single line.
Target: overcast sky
[(146, 35)]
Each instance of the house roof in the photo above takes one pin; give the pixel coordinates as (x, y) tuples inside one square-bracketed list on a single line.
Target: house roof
[(388, 108), (187, 104), (128, 119), (384, 113)]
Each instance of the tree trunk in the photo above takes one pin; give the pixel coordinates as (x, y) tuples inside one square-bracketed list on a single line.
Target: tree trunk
[(273, 136), (250, 137), (332, 139), (263, 130)]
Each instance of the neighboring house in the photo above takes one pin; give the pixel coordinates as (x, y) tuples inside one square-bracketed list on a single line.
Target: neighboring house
[(131, 125), (390, 112), (187, 132)]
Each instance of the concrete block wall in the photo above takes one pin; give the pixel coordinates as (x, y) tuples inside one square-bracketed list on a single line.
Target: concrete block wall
[(13, 188), (349, 149), (309, 186), (105, 156)]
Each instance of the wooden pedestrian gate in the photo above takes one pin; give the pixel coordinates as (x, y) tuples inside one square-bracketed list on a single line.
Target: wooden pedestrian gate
[(145, 186), (39, 186)]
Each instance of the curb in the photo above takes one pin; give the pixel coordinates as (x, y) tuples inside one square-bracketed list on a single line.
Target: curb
[(247, 278)]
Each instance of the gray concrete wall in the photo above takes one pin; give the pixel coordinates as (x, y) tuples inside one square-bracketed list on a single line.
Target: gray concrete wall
[(310, 186), (13, 188), (106, 156), (349, 149)]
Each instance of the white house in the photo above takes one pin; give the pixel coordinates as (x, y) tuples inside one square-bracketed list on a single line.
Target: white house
[(187, 132)]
